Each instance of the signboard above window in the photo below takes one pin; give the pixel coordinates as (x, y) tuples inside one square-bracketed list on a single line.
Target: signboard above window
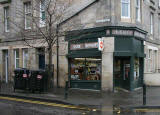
[(84, 46)]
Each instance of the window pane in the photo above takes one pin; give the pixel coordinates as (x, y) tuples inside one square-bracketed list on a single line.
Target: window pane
[(85, 69), (6, 19), (125, 9), (25, 58), (17, 54), (17, 63), (43, 16), (27, 14)]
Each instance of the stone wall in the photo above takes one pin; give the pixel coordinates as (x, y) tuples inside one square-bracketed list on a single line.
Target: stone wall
[(107, 64)]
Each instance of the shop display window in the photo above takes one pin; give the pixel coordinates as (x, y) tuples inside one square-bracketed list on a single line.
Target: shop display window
[(85, 69)]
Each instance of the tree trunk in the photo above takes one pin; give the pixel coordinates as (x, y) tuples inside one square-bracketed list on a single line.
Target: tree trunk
[(50, 69)]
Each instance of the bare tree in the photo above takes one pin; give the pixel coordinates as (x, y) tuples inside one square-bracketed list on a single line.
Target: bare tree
[(41, 24)]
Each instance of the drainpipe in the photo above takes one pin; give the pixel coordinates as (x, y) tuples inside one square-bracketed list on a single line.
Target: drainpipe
[(57, 55)]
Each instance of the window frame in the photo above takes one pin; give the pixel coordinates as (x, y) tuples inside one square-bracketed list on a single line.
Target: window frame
[(42, 10), (6, 19), (138, 10), (15, 54), (27, 13), (129, 9), (151, 23), (25, 59)]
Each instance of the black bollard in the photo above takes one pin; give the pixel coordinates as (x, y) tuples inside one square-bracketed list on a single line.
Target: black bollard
[(144, 94)]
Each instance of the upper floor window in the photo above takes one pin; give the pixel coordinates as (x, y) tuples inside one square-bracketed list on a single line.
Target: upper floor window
[(6, 19), (159, 27), (151, 23), (42, 13), (125, 8), (27, 17), (138, 10)]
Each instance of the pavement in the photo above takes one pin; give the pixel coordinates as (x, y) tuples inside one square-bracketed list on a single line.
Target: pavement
[(104, 101)]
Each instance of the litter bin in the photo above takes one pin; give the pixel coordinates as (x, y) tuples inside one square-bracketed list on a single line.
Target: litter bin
[(32, 83), (38, 80), (21, 78)]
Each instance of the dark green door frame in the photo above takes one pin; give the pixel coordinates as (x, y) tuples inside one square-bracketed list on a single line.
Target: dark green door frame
[(132, 59)]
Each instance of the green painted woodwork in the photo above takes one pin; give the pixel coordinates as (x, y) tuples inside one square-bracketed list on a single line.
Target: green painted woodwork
[(123, 44), (100, 32), (126, 47), (85, 84)]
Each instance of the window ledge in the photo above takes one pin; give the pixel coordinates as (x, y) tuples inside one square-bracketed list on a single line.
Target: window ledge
[(126, 19)]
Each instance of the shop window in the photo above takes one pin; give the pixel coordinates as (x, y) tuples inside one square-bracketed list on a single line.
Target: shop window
[(85, 69)]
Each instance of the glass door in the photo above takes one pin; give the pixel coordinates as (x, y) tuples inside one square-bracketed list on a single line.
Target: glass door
[(122, 72)]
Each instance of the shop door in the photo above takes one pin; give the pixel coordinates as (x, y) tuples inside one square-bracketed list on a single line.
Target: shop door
[(122, 72)]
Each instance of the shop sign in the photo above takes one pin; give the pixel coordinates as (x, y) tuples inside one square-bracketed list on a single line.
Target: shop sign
[(100, 44), (122, 32), (84, 46)]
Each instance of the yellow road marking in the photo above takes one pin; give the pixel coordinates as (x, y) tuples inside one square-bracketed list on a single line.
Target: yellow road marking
[(147, 110), (46, 103)]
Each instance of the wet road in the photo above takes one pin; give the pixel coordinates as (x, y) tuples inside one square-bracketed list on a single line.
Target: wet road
[(8, 107), (29, 107)]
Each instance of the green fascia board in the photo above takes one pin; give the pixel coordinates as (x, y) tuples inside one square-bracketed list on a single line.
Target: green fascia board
[(4, 1), (123, 54), (84, 54), (71, 35), (140, 55)]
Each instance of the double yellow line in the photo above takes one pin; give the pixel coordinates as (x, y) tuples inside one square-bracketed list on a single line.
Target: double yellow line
[(47, 103)]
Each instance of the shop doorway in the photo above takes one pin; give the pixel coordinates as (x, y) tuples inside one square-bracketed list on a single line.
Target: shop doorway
[(122, 72)]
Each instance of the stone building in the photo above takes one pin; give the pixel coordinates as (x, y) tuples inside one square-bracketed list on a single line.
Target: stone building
[(130, 33)]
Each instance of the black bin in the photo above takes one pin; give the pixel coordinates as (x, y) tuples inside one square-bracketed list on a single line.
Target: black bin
[(21, 78), (38, 80)]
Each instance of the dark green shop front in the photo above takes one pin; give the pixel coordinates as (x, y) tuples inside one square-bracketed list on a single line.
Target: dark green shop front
[(85, 60), (128, 62), (84, 64)]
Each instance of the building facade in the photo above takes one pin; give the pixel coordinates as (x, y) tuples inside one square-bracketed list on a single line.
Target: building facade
[(130, 32)]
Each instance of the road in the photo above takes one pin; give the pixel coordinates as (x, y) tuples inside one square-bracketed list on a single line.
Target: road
[(16, 106)]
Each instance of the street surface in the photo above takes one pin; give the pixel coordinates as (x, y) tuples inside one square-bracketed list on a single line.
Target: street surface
[(16, 106)]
